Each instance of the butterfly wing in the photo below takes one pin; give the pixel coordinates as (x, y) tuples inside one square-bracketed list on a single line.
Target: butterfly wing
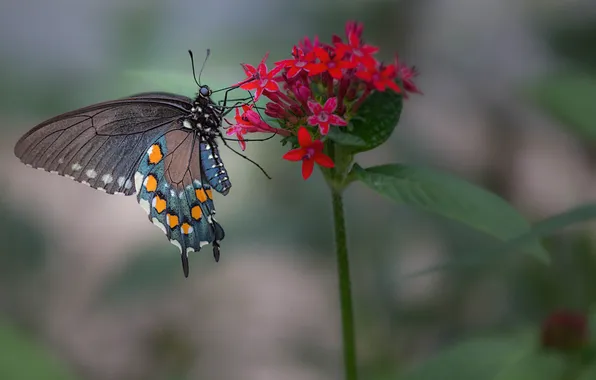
[(172, 189), (101, 145)]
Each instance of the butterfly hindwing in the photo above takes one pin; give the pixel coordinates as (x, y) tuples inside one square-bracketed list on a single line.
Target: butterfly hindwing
[(172, 191), (101, 145)]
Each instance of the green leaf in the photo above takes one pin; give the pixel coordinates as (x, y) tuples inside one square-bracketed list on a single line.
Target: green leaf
[(570, 98), (539, 230), (499, 358), (451, 197), (376, 119), (23, 358), (346, 139)]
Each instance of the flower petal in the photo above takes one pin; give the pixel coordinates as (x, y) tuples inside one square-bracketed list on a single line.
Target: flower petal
[(307, 168), (324, 128), (249, 69), (317, 145), (315, 68), (304, 138), (336, 73), (250, 85), (294, 155), (324, 160), (272, 86), (313, 120), (392, 85), (322, 54), (330, 105), (241, 141), (336, 120), (258, 93), (293, 71), (315, 107)]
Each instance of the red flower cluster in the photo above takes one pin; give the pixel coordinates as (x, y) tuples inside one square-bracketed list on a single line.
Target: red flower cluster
[(564, 330), (323, 85)]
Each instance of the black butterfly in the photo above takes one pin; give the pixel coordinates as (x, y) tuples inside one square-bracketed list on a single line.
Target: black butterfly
[(160, 146)]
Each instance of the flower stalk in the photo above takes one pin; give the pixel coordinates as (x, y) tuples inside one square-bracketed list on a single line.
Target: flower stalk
[(345, 291)]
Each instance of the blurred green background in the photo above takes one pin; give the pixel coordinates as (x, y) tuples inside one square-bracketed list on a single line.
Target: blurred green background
[(90, 290)]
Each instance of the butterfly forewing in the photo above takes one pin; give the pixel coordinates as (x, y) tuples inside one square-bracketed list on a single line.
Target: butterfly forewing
[(101, 145)]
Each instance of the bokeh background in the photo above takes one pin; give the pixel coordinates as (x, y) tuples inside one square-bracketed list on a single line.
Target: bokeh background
[(90, 290)]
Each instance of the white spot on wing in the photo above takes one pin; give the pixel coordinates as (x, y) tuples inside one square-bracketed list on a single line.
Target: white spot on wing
[(175, 242), (128, 184), (203, 243), (144, 204), (61, 160), (76, 166), (107, 178), (138, 181), (91, 173), (121, 181), (159, 224), (190, 249), (187, 124)]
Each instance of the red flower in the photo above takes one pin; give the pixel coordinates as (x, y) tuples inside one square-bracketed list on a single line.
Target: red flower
[(298, 64), (359, 53), (564, 330), (263, 80), (309, 152), (333, 66), (248, 122), (323, 115), (380, 77), (406, 74)]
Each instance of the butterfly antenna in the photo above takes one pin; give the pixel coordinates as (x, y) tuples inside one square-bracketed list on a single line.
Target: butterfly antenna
[(204, 63), (192, 63), (243, 156)]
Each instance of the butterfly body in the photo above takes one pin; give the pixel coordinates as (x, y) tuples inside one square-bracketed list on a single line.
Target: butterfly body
[(160, 146)]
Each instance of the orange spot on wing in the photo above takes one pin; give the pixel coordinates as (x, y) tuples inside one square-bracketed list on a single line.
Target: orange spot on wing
[(186, 228), (196, 212), (159, 204), (201, 196), (209, 193), (151, 183), (172, 220), (155, 154)]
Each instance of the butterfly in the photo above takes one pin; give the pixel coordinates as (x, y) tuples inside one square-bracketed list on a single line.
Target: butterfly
[(160, 146)]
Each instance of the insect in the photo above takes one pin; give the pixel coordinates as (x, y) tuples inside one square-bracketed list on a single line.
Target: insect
[(160, 146)]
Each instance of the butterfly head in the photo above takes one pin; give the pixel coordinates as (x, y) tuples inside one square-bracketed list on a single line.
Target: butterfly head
[(205, 91)]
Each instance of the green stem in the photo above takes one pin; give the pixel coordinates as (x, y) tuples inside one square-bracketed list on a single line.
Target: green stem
[(345, 294)]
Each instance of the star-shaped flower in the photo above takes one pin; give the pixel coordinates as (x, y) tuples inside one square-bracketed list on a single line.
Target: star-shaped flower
[(309, 152), (262, 80), (323, 115)]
